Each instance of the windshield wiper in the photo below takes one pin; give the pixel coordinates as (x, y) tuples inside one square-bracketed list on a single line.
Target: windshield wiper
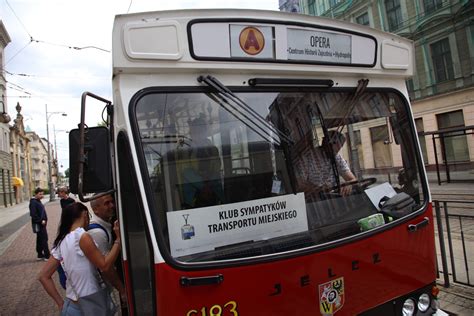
[(222, 102), (228, 97), (350, 103)]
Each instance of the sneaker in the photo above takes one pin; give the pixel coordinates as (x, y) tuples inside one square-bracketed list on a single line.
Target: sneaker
[(45, 259), (40, 258)]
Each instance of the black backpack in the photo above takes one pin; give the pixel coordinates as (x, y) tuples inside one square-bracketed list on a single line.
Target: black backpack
[(397, 206)]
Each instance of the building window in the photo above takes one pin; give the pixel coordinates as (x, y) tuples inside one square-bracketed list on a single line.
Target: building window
[(432, 5), (442, 62), (420, 129), (311, 8), (333, 3), (315, 124), (381, 146), (363, 19), (22, 168), (455, 143), (3, 142), (394, 14), (356, 143)]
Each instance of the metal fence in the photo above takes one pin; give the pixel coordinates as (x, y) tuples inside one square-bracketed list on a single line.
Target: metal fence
[(455, 170), (455, 224)]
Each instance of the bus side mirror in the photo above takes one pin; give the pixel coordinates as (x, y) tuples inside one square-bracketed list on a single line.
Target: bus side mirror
[(97, 171)]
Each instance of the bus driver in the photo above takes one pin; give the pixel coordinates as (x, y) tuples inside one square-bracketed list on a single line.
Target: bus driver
[(319, 167)]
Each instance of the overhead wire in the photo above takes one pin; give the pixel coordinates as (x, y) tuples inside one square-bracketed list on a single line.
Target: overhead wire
[(20, 89), (24, 27), (19, 51), (69, 46), (45, 42), (49, 76)]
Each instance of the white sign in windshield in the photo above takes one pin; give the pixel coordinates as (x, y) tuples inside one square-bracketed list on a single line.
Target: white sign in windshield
[(319, 46), (202, 229)]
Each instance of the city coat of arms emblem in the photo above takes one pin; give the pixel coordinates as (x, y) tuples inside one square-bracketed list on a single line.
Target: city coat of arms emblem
[(331, 296)]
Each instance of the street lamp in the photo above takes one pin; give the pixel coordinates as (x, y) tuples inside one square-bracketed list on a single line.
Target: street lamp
[(56, 148), (50, 178), (55, 131)]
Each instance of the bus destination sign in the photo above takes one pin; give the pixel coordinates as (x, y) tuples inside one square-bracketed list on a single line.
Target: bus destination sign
[(281, 43), (319, 46)]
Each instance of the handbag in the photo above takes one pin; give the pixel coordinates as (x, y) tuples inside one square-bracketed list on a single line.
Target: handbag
[(98, 303), (397, 206), (36, 227)]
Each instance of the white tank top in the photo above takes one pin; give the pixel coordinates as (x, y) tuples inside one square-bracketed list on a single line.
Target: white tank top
[(79, 270)]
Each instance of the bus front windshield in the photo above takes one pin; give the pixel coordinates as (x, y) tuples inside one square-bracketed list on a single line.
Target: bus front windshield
[(263, 173)]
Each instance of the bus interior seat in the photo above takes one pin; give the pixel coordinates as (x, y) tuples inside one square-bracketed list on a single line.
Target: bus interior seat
[(244, 187)]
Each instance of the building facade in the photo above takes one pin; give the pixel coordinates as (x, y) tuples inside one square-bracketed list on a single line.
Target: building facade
[(39, 161), (442, 88), (289, 5), (21, 159), (54, 165), (7, 195)]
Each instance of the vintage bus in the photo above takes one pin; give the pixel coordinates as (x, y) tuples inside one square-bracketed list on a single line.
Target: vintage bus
[(264, 163)]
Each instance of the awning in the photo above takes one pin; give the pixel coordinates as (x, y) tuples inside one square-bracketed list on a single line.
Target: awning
[(17, 182)]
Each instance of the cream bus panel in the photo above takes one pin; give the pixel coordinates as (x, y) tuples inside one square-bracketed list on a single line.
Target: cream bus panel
[(363, 50), (162, 40), (191, 40), (395, 55), (281, 43), (205, 44)]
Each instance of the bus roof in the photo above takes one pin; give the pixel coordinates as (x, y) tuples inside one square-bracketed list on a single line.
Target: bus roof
[(254, 40)]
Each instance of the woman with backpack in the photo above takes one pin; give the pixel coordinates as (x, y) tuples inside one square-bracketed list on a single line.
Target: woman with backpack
[(76, 251)]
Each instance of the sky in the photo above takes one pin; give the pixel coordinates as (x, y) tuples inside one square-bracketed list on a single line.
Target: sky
[(43, 70)]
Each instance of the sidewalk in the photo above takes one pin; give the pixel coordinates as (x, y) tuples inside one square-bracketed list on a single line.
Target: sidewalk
[(12, 219), (457, 299), (453, 190), (22, 294)]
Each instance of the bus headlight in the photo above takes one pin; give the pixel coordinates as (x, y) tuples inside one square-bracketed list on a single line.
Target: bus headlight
[(424, 302), (408, 307)]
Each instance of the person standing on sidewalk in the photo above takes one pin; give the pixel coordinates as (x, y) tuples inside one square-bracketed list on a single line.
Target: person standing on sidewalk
[(65, 198), (100, 229), (39, 219)]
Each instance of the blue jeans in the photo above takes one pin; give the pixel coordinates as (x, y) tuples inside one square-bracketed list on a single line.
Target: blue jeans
[(70, 308)]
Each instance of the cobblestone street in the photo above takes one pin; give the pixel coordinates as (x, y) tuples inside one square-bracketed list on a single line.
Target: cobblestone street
[(22, 294)]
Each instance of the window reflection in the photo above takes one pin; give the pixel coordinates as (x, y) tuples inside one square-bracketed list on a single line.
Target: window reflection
[(200, 154)]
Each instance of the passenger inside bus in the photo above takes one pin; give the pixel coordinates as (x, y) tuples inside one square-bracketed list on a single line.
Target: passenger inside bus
[(323, 165), (199, 168)]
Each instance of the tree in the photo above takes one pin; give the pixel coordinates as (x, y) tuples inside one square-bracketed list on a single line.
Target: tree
[(66, 172)]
